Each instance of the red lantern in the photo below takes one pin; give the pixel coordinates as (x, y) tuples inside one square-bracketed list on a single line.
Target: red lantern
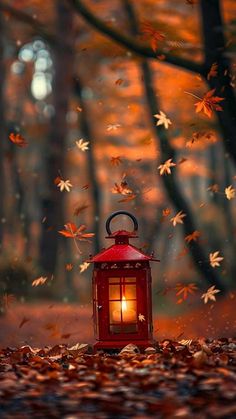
[(122, 298)]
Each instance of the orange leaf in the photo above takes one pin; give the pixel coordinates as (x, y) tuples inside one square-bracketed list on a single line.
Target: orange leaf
[(18, 140), (209, 103)]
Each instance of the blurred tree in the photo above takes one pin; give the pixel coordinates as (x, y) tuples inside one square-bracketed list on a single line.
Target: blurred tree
[(85, 129), (53, 201), (215, 52)]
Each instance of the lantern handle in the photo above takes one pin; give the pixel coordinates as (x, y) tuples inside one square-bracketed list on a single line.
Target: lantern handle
[(135, 222)]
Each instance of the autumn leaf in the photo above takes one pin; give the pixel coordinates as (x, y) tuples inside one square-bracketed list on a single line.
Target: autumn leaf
[(82, 145), (185, 342), (184, 291), (178, 218), (18, 140), (64, 185), (69, 267), (39, 281), (79, 208), (215, 259), (230, 192), (210, 294), (146, 140), (84, 266), (208, 103), (162, 120), (165, 168), (123, 188), (23, 321), (213, 188), (57, 180), (79, 348), (213, 71), (192, 237), (141, 317), (115, 161), (119, 82), (166, 212), (71, 231), (152, 35)]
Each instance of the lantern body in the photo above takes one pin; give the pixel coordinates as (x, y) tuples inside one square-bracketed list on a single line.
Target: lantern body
[(122, 297)]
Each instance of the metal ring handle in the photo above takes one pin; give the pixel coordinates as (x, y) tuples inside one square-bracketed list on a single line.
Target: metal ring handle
[(135, 222)]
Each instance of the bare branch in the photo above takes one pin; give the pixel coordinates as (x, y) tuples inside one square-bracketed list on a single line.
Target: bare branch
[(131, 43)]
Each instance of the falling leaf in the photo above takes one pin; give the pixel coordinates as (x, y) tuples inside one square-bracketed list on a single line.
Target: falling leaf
[(75, 232), (178, 218), (230, 192), (80, 208), (113, 127), (23, 321), (57, 180), (213, 71), (82, 145), (165, 168), (18, 140), (185, 290), (152, 35), (162, 120), (166, 212), (115, 161), (84, 266), (213, 188), (141, 317), (39, 281), (64, 184), (210, 294), (192, 237), (146, 140), (123, 188), (79, 109), (69, 267), (119, 82), (208, 103), (215, 259)]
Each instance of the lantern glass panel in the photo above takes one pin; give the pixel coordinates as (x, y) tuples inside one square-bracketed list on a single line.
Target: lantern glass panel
[(114, 292), (129, 279), (129, 292)]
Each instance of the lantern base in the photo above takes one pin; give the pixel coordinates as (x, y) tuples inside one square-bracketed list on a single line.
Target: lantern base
[(109, 346)]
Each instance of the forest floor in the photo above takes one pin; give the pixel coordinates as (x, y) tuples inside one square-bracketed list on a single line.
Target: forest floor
[(46, 373), (173, 380)]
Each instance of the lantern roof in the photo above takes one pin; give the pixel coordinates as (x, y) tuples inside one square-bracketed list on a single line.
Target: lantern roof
[(122, 250)]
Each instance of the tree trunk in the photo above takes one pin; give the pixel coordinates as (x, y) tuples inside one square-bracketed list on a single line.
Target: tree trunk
[(53, 201), (94, 186), (173, 191), (214, 49)]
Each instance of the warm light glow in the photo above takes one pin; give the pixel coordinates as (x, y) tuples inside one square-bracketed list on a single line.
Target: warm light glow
[(123, 304), (128, 314)]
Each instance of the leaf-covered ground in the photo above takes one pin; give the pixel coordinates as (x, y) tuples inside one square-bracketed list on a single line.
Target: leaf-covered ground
[(173, 380)]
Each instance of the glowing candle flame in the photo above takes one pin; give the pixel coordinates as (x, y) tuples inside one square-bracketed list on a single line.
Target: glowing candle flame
[(123, 304)]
